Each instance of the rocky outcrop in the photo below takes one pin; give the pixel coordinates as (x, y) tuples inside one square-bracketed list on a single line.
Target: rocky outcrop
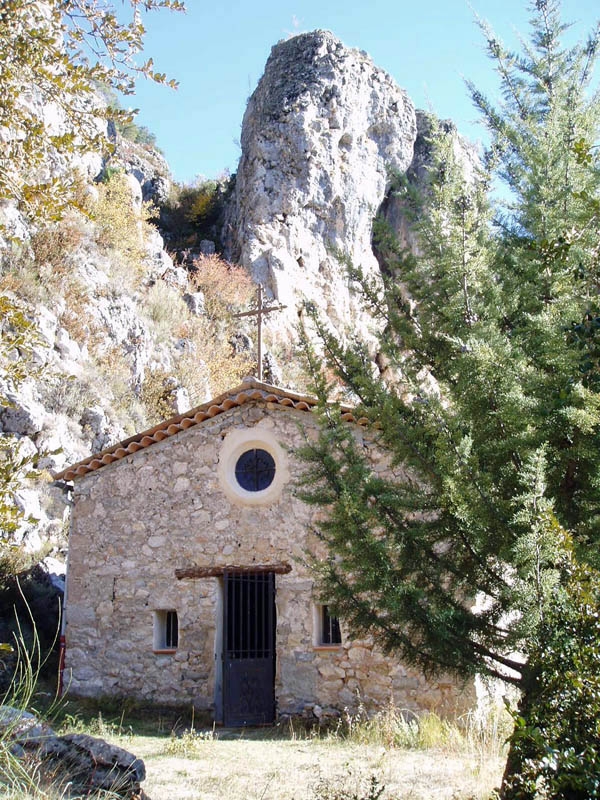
[(147, 166), (322, 132), (94, 340), (393, 208), (87, 310)]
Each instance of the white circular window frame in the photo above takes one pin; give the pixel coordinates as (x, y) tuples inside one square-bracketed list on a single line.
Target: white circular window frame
[(238, 441)]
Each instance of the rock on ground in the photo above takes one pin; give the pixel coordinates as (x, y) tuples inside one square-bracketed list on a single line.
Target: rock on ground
[(80, 762)]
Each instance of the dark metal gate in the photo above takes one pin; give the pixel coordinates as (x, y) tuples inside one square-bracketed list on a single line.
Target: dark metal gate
[(249, 648)]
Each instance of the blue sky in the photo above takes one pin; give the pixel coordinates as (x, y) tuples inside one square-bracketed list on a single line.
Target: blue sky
[(217, 52)]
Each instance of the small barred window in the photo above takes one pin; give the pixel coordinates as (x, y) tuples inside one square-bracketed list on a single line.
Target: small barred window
[(330, 628), (166, 630)]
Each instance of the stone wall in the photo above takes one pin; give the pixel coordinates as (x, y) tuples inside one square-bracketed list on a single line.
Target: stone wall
[(166, 507)]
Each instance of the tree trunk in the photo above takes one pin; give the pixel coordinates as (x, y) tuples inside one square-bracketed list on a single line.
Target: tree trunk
[(514, 787)]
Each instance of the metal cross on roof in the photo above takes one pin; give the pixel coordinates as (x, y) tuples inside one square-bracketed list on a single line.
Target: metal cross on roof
[(261, 310)]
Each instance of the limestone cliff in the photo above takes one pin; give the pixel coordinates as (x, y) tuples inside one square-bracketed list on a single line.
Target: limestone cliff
[(321, 134), (93, 342)]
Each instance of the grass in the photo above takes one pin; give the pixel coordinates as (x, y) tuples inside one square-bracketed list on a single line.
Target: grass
[(390, 757), (255, 768), (23, 775)]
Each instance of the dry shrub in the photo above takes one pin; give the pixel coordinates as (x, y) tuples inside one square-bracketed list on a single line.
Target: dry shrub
[(484, 737), (120, 226), (210, 362), (44, 266), (289, 356), (166, 309), (24, 285), (225, 286), (48, 268), (157, 394), (76, 318), (211, 359), (53, 246), (113, 371), (67, 394), (349, 787)]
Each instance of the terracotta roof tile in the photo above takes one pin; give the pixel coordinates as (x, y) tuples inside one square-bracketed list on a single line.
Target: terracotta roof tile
[(250, 390)]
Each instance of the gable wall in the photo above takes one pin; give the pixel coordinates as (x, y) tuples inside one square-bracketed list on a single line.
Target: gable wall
[(138, 519)]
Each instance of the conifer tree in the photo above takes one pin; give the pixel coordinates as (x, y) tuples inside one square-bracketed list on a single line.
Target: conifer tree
[(485, 543)]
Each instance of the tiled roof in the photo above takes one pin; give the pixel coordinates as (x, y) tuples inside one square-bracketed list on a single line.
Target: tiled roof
[(249, 390)]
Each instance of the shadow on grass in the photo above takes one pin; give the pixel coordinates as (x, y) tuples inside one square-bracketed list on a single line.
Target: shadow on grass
[(117, 717)]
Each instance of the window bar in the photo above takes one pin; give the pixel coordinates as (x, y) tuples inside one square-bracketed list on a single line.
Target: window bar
[(271, 615), (234, 618), (247, 621), (256, 590), (264, 610), (235, 606), (240, 617), (264, 597)]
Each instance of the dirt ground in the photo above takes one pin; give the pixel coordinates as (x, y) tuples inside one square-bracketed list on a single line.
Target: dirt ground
[(240, 769)]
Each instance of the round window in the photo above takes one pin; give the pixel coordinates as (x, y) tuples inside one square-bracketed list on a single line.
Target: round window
[(253, 467), (255, 470)]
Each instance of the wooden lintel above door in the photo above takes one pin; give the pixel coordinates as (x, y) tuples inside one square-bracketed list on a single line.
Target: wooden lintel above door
[(217, 571)]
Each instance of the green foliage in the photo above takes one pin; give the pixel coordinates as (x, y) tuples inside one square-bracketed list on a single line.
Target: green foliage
[(30, 609), (120, 225), (556, 740), (17, 338), (139, 134), (125, 122), (27, 772), (190, 743), (15, 468), (193, 212), (488, 403), (15, 779), (56, 54)]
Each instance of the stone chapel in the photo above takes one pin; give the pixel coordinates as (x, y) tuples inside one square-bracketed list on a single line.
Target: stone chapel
[(187, 582)]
